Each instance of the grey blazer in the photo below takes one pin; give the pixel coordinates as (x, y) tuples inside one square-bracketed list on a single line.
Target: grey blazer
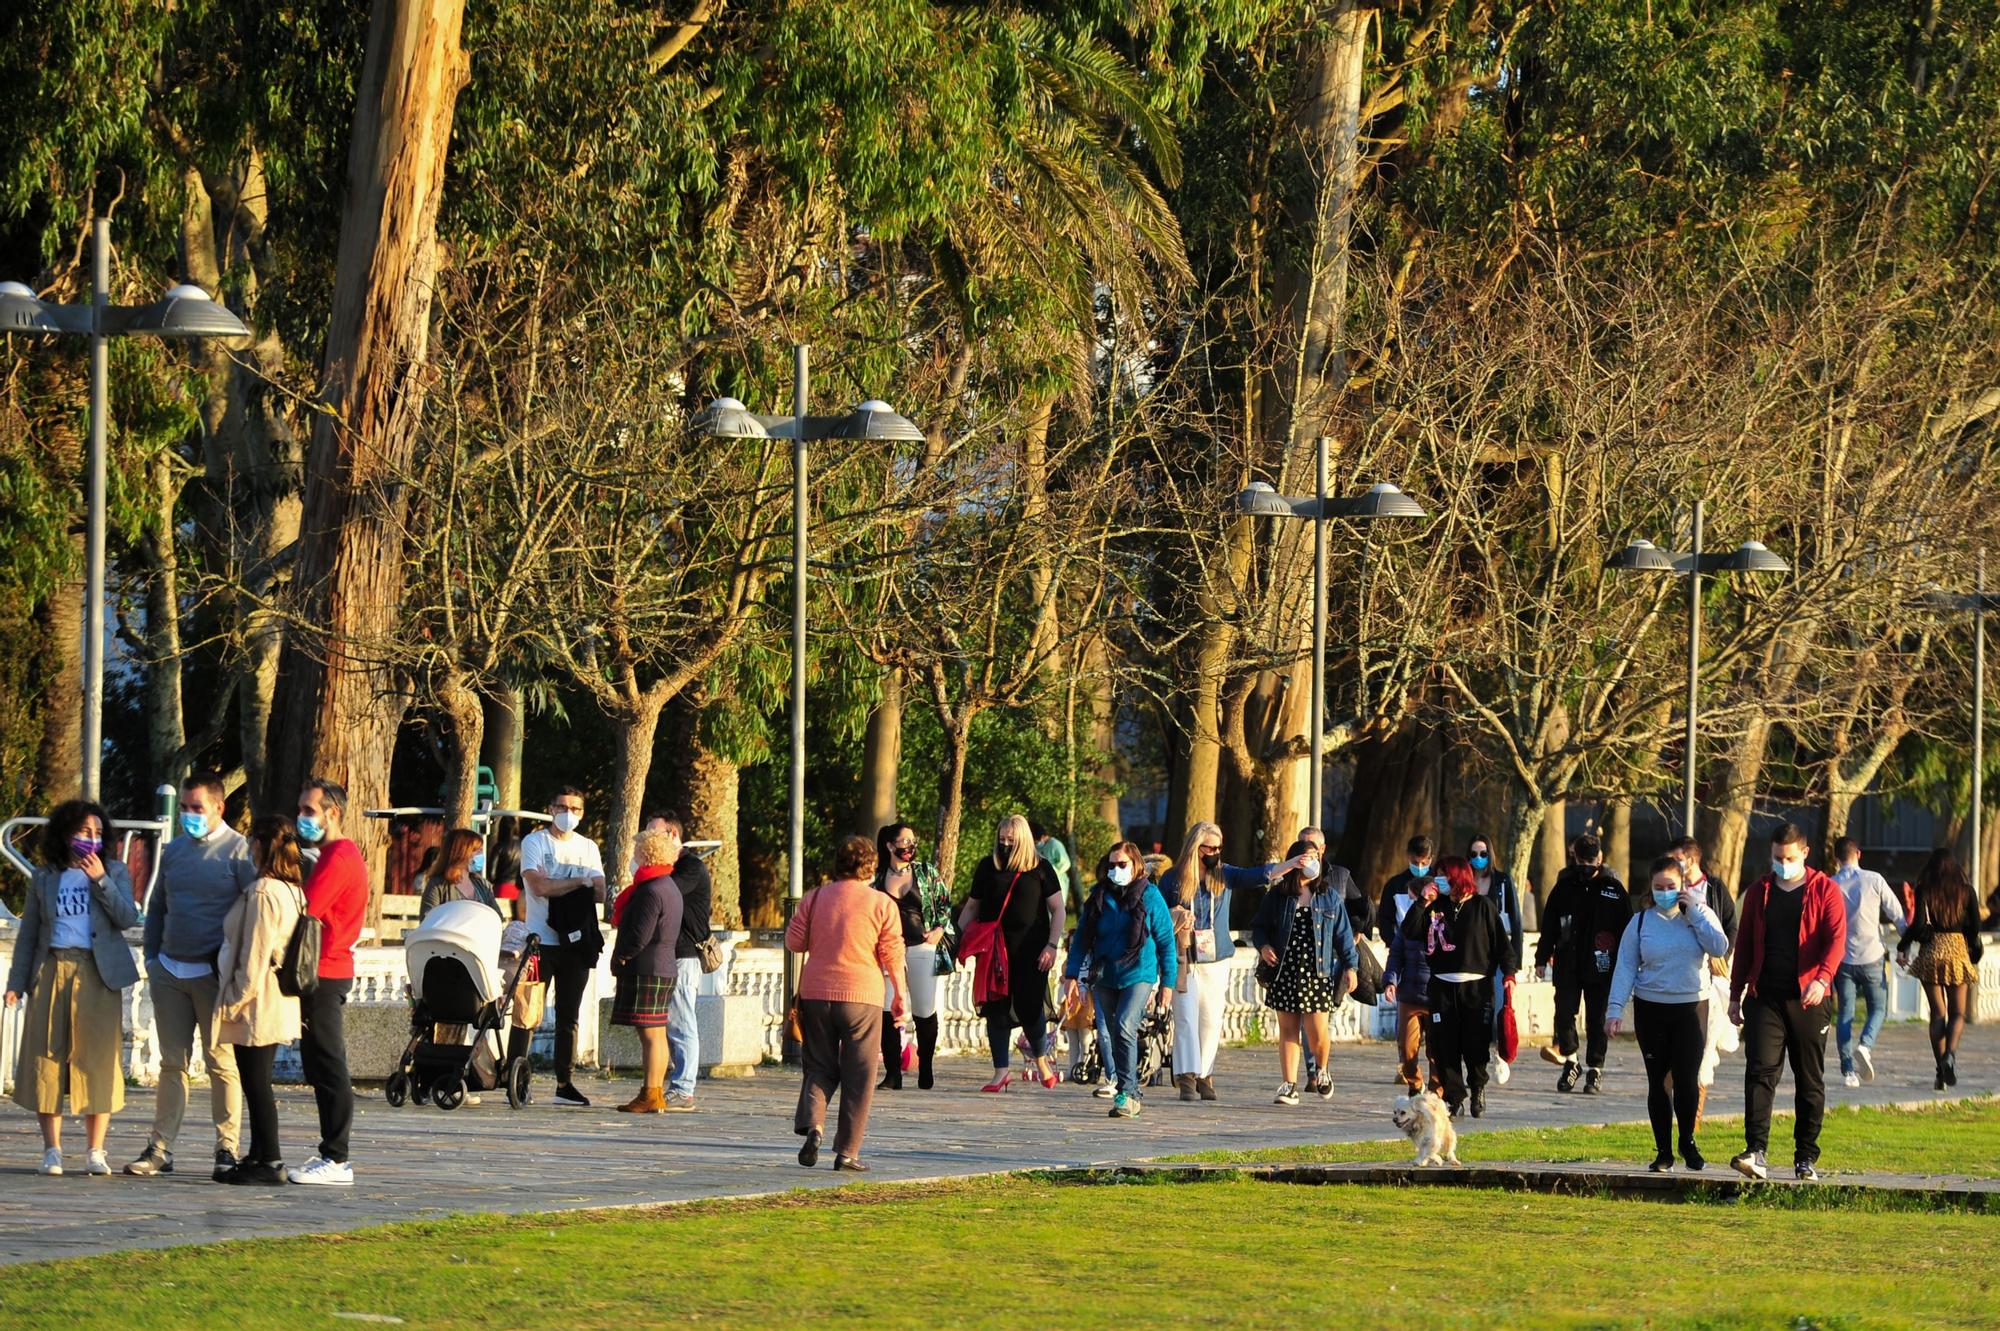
[(112, 911)]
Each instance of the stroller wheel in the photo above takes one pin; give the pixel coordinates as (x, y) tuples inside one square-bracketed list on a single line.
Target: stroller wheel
[(397, 1092), (449, 1093), (518, 1073)]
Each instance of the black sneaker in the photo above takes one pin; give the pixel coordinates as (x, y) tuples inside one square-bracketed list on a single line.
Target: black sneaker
[(1691, 1155), (260, 1175), (225, 1161), (1479, 1103), (1324, 1085), (155, 1159), (1806, 1172), (1571, 1071), (1751, 1165), (1593, 1082), (809, 1153), (571, 1098), (1663, 1163)]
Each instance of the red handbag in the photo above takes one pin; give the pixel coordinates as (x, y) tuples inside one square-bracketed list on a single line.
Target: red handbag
[(986, 947), (1510, 1033)]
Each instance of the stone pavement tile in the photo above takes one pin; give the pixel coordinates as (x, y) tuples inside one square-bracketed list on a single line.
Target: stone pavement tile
[(421, 1162)]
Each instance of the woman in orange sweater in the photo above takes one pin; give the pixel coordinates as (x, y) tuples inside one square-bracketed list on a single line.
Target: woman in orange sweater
[(850, 935)]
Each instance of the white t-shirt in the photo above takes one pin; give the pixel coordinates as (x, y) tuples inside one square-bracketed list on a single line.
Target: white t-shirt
[(72, 926), (573, 856)]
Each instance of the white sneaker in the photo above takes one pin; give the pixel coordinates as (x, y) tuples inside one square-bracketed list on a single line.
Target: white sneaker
[(1288, 1094), (1849, 1079), (1864, 1058), (1502, 1071), (472, 1100), (52, 1161), (97, 1163), (321, 1172)]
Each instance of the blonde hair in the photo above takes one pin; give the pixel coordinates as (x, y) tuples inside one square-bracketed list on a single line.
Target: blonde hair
[(651, 848), (1189, 865), (1026, 857)]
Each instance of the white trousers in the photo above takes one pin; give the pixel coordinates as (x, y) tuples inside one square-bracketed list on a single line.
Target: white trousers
[(1198, 1018), (920, 974)]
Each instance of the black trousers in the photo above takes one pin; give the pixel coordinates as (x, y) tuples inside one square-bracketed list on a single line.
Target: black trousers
[(323, 1054), (1672, 1039), (1460, 1035), (1026, 1005), (568, 970), (1595, 998), (1773, 1034), (260, 1103)]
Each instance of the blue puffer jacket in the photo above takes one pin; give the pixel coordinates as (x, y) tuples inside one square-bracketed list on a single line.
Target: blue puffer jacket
[(1105, 931), (1333, 935)]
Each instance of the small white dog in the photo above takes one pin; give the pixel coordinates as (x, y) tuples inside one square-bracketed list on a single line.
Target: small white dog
[(1424, 1119)]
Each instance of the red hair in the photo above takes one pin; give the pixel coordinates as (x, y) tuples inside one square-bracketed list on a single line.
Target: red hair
[(1457, 871)]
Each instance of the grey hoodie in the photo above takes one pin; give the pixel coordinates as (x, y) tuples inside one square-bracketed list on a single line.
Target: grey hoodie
[(1664, 958)]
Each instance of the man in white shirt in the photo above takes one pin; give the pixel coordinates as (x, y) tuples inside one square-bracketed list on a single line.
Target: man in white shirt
[(1871, 903), (556, 862)]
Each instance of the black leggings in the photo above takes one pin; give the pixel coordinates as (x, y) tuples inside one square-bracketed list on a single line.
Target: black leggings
[(260, 1103), (1026, 1006), (1672, 1039)]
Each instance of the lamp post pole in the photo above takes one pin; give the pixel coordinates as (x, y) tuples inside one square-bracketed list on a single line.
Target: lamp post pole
[(1693, 679), (93, 576), (795, 887), (1319, 637)]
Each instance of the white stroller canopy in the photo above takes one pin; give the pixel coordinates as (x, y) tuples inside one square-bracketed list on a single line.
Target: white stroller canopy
[(464, 931)]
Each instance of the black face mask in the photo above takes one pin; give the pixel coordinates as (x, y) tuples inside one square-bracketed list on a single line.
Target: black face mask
[(906, 853), (1005, 848), (1211, 856)]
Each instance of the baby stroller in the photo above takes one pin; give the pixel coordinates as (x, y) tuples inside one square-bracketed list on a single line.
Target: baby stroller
[(1156, 1053), (459, 1001)]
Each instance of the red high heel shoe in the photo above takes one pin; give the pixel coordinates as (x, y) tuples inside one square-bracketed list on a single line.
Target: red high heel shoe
[(1049, 1080), (999, 1083)]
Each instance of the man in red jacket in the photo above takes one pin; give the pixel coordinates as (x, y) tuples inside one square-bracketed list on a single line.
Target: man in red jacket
[(1790, 942), (337, 896)]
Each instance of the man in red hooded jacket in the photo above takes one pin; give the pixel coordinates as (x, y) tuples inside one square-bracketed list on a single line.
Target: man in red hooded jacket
[(1790, 942)]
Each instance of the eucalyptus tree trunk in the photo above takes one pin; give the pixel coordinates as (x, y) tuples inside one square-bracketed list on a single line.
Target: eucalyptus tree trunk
[(465, 720), (1618, 838), (500, 744), (882, 755)]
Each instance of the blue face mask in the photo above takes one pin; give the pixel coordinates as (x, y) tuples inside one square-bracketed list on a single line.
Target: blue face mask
[(1787, 870), (1666, 898), (1418, 870), (1479, 862), (195, 825), (477, 864), (308, 828)]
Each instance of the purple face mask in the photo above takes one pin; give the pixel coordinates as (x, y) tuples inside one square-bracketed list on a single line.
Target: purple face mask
[(80, 846)]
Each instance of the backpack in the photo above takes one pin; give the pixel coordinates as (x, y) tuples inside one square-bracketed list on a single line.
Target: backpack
[(298, 972)]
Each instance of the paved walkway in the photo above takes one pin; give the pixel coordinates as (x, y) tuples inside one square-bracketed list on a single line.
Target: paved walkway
[(416, 1163)]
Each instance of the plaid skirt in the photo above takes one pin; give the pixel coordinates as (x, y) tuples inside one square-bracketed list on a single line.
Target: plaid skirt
[(642, 1000)]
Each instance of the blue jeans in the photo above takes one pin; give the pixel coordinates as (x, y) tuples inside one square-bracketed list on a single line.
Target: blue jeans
[(1873, 983), (1121, 1009), (683, 1029)]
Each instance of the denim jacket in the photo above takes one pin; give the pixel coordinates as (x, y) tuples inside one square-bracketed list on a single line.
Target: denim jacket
[(1333, 935)]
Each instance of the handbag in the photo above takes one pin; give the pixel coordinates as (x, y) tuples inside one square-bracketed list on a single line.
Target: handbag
[(1368, 975), (709, 953), (986, 947), (1510, 1030), (298, 970)]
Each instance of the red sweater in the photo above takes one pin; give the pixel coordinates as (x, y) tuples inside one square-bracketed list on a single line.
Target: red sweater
[(1822, 933), (337, 896)]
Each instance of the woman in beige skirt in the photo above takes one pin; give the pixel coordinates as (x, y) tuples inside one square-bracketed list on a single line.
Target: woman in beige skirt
[(1945, 932), (70, 963)]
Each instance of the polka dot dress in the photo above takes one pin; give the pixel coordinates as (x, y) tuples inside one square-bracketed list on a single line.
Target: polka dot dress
[(1299, 986)]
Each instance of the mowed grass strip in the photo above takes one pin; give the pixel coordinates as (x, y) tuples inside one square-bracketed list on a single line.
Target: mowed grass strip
[(1954, 1137), (1033, 1254)]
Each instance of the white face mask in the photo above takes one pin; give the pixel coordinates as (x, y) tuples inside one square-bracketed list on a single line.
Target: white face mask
[(1120, 875), (1309, 870), (566, 820)]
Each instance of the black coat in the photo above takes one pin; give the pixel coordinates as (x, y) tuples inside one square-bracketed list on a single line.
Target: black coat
[(1582, 921), (697, 892)]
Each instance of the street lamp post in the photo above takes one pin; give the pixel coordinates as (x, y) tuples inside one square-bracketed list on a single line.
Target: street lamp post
[(871, 420), (1645, 557), (185, 311), (1381, 500)]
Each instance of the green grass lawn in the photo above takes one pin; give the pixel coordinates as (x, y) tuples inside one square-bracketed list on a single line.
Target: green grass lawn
[(1035, 1253), (1953, 1137)]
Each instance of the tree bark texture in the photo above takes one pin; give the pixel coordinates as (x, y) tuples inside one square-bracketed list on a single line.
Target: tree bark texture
[(881, 756), (500, 745)]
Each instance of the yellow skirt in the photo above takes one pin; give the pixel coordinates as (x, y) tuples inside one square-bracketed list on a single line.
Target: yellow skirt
[(1944, 960), (74, 1034)]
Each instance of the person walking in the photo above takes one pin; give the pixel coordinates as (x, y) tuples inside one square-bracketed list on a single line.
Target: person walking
[(1582, 921), (1790, 944), (458, 874), (690, 874), (1015, 887), (851, 938), (1467, 950), (1407, 881), (923, 905), (564, 877), (203, 873), (1662, 973), (1721, 1033), (1496, 883), (1872, 905), (336, 896), (1945, 934), (70, 964), (1306, 941), (1125, 941), (252, 1014), (643, 963), (1406, 978), (1199, 892)]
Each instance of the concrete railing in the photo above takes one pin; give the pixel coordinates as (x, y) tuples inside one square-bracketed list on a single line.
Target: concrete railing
[(752, 978)]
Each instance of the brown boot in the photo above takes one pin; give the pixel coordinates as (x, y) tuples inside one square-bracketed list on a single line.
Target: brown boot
[(1186, 1082), (1205, 1087), (649, 1100)]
